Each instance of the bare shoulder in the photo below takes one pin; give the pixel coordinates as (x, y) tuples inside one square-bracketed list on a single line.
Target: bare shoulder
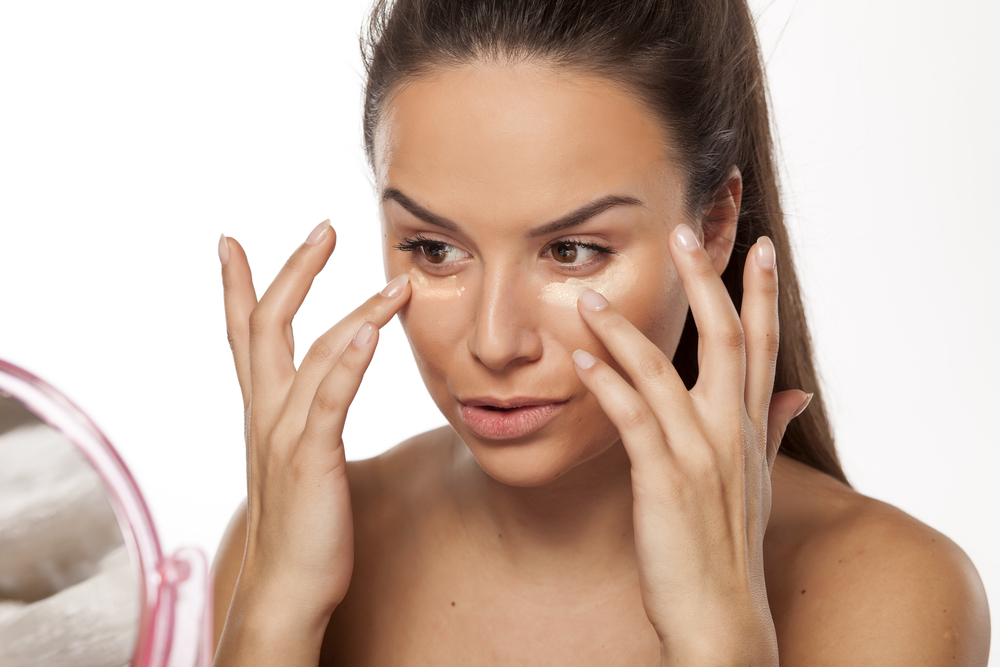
[(226, 568), (395, 495), (394, 479), (852, 580)]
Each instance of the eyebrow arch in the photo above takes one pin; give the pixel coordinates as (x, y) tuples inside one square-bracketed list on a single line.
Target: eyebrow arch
[(577, 217), (418, 211)]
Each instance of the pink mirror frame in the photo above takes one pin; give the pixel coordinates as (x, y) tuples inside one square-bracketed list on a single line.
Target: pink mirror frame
[(175, 624)]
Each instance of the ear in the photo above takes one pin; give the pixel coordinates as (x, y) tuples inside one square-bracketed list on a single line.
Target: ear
[(719, 222)]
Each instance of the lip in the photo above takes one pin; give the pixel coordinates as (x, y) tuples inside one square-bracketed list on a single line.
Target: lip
[(508, 419)]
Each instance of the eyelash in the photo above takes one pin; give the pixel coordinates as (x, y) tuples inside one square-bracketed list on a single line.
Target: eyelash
[(419, 241), (416, 243)]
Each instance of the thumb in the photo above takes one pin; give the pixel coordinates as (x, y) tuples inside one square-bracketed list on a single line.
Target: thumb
[(785, 406)]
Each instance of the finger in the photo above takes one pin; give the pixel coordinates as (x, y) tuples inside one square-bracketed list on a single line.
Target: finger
[(271, 347), (240, 299), (650, 370), (759, 317), (720, 333), (328, 409), (636, 422), (785, 406), (327, 349)]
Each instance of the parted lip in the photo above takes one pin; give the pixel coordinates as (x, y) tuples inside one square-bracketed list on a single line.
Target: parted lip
[(508, 403)]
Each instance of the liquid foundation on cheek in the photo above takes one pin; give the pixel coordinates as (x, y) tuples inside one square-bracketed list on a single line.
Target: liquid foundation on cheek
[(440, 288), (613, 283)]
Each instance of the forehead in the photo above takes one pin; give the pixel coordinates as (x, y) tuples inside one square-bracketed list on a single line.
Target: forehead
[(523, 139)]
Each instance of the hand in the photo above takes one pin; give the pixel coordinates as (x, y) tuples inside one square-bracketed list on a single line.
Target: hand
[(701, 460), (300, 535)]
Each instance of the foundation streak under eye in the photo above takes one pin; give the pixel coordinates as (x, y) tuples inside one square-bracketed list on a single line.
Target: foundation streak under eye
[(614, 282)]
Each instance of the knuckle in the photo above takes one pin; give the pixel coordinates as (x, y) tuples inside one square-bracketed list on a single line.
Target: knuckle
[(327, 401), (654, 367), (731, 337), (769, 342), (299, 467), (353, 360), (258, 322), (322, 353), (770, 288), (635, 416), (702, 269), (705, 269), (704, 462)]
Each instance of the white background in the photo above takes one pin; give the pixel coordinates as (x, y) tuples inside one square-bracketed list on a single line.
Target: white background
[(133, 134)]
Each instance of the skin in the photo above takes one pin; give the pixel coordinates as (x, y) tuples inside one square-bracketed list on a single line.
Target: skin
[(644, 523)]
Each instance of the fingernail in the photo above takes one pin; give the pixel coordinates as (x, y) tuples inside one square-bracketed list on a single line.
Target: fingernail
[(765, 253), (395, 286), (223, 250), (805, 404), (316, 234), (364, 334), (686, 237), (584, 359), (591, 300)]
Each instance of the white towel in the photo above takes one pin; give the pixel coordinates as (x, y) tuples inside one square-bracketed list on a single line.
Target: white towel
[(67, 593)]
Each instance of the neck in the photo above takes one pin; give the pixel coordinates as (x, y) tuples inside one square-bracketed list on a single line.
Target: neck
[(580, 521)]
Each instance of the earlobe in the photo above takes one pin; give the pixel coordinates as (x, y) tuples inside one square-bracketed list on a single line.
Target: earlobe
[(720, 220)]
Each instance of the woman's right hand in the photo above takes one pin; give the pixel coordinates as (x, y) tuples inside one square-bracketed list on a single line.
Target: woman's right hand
[(300, 536)]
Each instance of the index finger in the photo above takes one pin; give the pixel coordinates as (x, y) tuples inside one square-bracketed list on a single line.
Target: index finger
[(327, 349), (652, 373), (272, 348)]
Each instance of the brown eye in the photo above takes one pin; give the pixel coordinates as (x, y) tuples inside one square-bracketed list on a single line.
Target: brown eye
[(435, 252), (564, 252)]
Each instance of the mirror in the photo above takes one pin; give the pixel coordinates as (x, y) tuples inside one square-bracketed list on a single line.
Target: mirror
[(67, 595), (82, 579)]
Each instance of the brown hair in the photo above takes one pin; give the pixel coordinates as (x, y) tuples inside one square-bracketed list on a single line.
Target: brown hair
[(696, 64)]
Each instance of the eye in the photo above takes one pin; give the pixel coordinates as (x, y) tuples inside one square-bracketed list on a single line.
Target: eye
[(435, 252), (576, 252)]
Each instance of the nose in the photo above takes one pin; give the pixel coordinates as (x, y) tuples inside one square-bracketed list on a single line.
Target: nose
[(506, 328)]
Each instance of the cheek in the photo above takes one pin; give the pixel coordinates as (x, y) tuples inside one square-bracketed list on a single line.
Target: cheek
[(436, 320), (614, 283), (653, 301), (658, 310)]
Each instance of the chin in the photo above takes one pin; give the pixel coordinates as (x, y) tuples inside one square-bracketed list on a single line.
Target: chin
[(540, 459)]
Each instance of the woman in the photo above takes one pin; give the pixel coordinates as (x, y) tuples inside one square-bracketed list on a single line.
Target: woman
[(581, 224)]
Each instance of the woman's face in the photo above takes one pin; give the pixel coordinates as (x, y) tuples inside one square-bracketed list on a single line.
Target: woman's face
[(507, 189)]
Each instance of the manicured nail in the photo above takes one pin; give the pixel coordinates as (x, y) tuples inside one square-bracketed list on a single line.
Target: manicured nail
[(364, 334), (583, 359), (318, 233), (765, 253), (809, 397), (686, 237), (591, 300), (395, 286), (223, 250)]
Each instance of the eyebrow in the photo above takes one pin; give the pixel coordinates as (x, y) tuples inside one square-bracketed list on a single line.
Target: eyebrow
[(577, 217)]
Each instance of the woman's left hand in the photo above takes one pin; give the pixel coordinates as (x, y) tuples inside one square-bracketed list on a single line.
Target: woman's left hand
[(701, 459)]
